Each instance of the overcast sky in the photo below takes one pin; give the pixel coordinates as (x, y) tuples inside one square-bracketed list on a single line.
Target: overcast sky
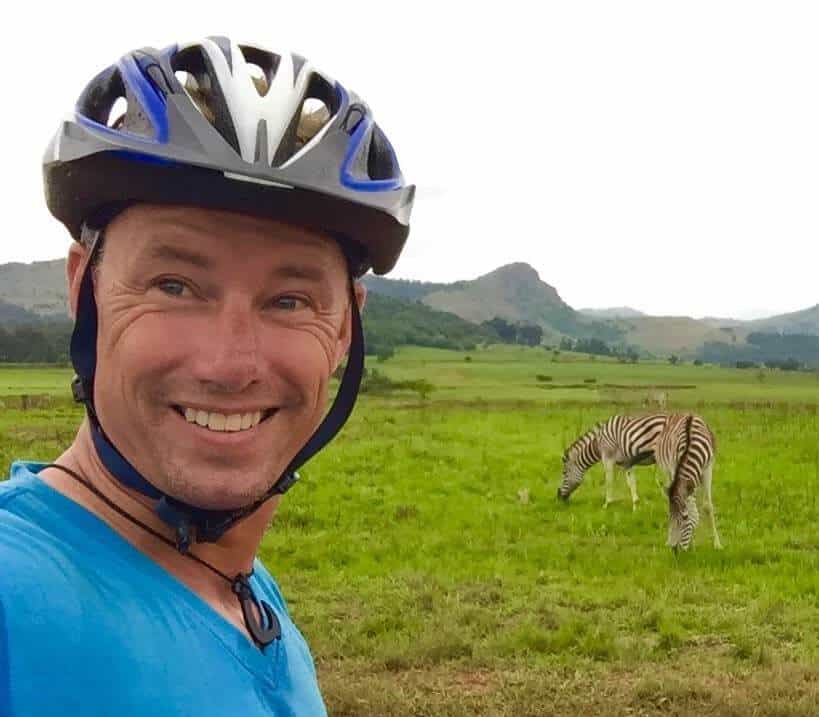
[(660, 155)]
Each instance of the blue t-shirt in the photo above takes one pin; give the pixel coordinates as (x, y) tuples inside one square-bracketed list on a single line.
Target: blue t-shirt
[(91, 626)]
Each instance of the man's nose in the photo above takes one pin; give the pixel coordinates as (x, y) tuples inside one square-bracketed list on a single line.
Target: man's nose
[(231, 359)]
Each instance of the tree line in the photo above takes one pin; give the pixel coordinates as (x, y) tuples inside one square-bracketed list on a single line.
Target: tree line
[(598, 347), (514, 333), (775, 350), (45, 342), (389, 323)]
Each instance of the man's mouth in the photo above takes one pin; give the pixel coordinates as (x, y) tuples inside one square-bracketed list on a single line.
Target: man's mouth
[(224, 422)]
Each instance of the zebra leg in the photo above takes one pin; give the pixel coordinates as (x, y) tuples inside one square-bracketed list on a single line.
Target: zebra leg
[(693, 513), (609, 467), (632, 486), (708, 504), (658, 479)]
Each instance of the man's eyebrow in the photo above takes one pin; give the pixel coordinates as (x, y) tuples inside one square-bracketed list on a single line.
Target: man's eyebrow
[(310, 272), (172, 252)]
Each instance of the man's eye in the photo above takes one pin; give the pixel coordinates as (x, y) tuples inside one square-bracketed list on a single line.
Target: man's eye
[(172, 287), (289, 303)]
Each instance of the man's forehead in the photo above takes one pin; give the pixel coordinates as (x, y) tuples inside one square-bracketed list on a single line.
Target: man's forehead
[(207, 238)]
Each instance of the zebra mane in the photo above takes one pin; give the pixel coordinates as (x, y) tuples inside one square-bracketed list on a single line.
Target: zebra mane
[(592, 432)]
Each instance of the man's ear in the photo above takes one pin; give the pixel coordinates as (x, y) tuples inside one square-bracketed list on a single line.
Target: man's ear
[(345, 335), (360, 295), (74, 268)]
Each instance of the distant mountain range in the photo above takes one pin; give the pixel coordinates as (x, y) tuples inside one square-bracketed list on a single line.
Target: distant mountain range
[(38, 287), (514, 292), (618, 312), (797, 322)]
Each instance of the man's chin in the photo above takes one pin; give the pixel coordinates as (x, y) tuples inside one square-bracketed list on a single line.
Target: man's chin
[(212, 489), (221, 500)]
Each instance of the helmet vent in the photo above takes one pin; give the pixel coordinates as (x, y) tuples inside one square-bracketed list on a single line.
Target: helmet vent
[(381, 161), (355, 114), (314, 115), (262, 66), (260, 80), (116, 115), (202, 85), (196, 93), (107, 101), (319, 105)]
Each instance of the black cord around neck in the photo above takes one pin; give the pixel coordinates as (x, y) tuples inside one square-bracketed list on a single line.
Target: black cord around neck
[(263, 635)]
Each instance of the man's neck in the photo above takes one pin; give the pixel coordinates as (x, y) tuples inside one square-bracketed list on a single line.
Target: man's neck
[(232, 554)]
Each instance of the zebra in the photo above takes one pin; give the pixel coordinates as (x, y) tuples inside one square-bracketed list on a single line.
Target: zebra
[(681, 445), (685, 450), (624, 441)]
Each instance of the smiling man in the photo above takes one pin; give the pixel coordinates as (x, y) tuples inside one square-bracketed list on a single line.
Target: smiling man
[(222, 219)]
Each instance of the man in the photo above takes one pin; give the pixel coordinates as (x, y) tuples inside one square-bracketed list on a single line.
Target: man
[(221, 223)]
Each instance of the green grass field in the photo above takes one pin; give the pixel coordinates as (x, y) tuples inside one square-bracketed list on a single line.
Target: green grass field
[(428, 562)]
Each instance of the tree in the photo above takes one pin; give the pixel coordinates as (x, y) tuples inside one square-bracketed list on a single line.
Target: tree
[(529, 334), (508, 332), (746, 364)]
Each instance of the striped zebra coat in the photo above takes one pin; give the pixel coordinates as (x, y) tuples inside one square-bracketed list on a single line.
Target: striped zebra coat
[(685, 451), (681, 445)]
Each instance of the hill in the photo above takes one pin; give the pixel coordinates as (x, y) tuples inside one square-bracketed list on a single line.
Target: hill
[(516, 293), (13, 315), (406, 289), (617, 312), (681, 335), (513, 292), (38, 287), (798, 322), (393, 322)]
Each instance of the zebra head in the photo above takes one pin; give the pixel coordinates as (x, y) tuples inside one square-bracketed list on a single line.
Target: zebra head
[(578, 458), (572, 475), (682, 523)]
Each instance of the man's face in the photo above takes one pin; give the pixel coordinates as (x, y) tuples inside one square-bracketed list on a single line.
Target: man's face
[(216, 318)]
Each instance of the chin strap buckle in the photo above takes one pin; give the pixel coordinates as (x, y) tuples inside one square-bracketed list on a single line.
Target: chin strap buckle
[(78, 390), (285, 483), (181, 523)]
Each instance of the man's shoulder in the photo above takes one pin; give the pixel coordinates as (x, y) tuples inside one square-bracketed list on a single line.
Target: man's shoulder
[(20, 481), (30, 548), (17, 496)]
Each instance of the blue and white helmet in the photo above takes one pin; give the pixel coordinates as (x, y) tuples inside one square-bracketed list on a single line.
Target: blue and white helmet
[(237, 127)]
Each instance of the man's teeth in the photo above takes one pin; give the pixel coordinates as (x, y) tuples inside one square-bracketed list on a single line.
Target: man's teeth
[(222, 422)]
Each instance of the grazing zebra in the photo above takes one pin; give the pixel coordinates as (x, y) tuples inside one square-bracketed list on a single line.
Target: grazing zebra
[(685, 451), (682, 445), (624, 441)]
